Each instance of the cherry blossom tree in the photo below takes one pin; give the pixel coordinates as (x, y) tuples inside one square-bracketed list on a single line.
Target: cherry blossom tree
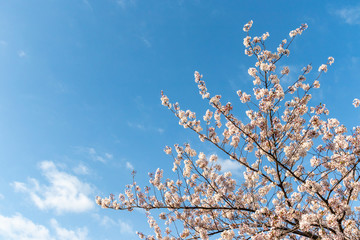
[(301, 167)]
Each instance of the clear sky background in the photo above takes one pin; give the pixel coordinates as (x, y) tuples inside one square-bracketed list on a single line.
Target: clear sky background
[(80, 84)]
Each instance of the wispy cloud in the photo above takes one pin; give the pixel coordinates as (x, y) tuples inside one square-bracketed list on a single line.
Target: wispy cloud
[(1, 197), (351, 14), (21, 53), (19, 227), (129, 166), (125, 3), (3, 43), (160, 130), (92, 153), (97, 157), (146, 114), (142, 127), (87, 4), (64, 193), (124, 226), (66, 234), (136, 125), (146, 42), (81, 169)]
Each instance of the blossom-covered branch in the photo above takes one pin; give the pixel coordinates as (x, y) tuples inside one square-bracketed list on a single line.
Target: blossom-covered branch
[(301, 168)]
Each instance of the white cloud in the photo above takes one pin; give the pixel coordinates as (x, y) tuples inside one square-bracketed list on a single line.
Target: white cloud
[(1, 196), (65, 192), (3, 43), (19, 227), (129, 166), (21, 53), (228, 165), (351, 15)]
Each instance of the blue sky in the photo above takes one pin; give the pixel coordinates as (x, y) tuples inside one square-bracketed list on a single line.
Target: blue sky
[(80, 86)]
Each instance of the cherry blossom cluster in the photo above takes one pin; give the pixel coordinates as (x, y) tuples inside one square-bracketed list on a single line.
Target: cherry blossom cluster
[(301, 167)]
